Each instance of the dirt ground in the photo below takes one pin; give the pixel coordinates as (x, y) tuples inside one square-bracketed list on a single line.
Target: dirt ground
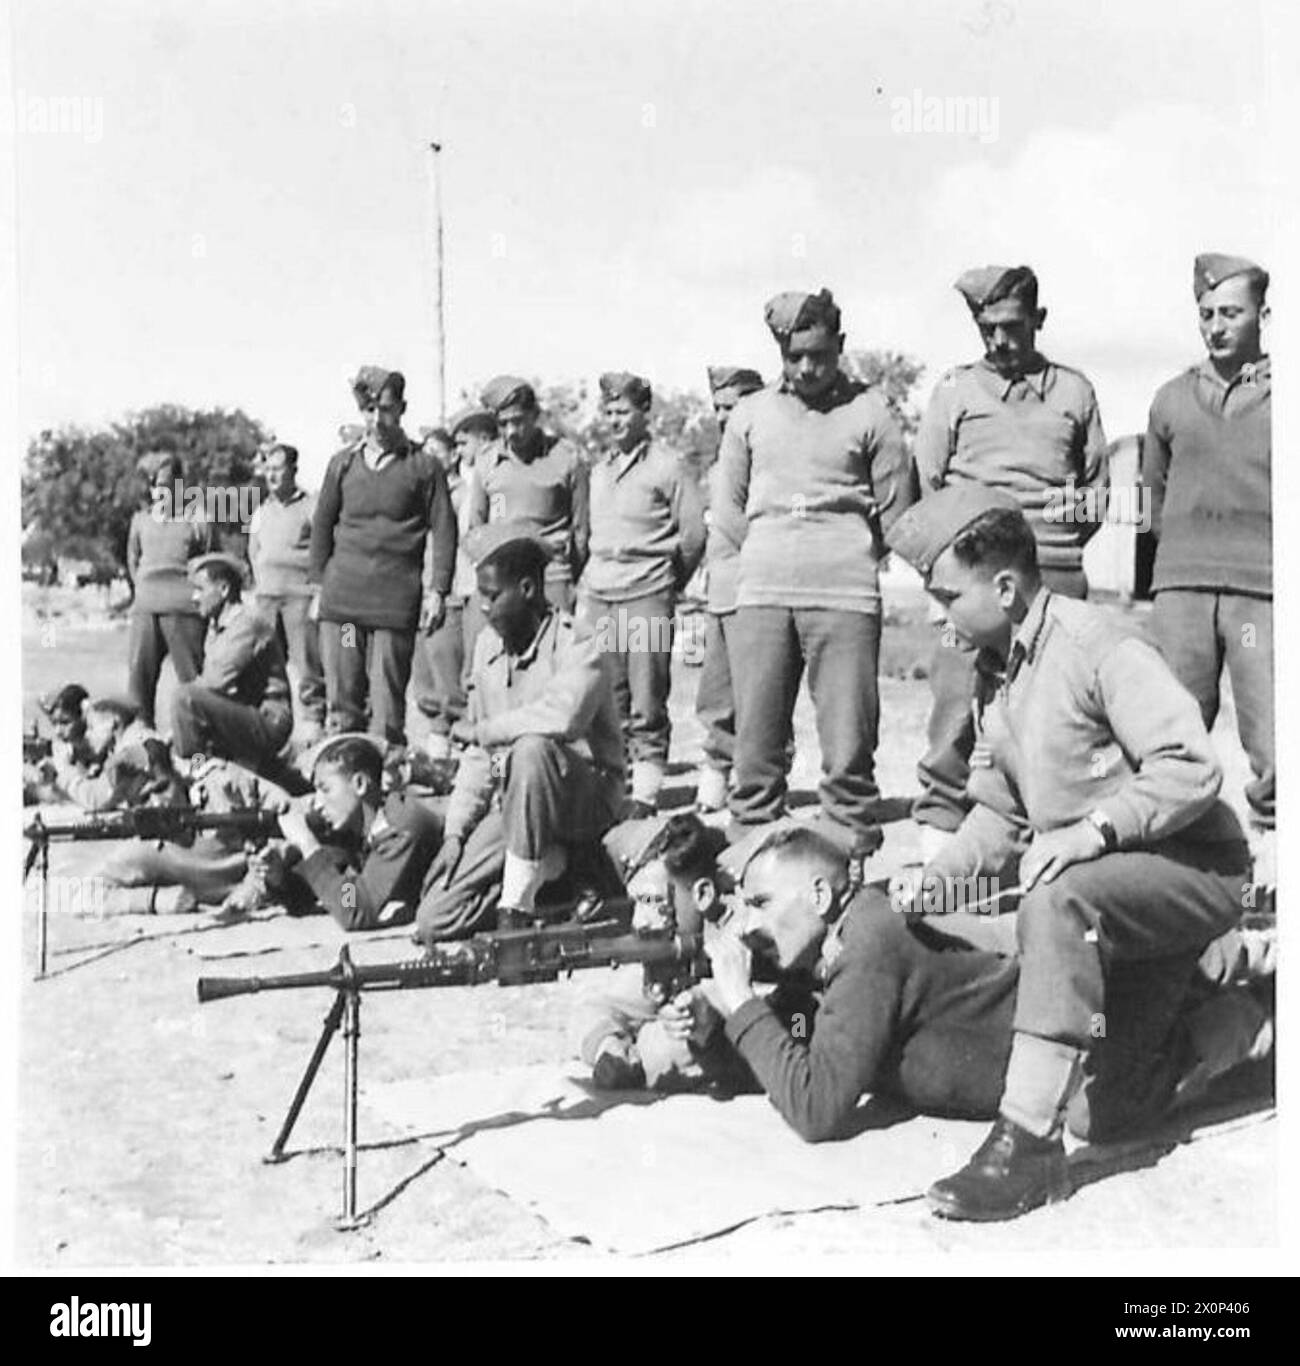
[(143, 1116)]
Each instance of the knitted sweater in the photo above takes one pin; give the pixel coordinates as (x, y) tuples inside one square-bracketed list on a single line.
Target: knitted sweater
[(279, 545), (817, 485), (368, 538), (1029, 436), (906, 1011), (157, 553), (1207, 461)]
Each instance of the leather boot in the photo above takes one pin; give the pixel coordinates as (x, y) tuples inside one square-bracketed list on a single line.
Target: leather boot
[(1011, 1173)]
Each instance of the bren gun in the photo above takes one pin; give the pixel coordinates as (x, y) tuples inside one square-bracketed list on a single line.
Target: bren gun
[(139, 822), (508, 957)]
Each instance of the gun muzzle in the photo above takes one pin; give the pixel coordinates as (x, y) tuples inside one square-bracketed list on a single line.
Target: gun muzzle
[(218, 988)]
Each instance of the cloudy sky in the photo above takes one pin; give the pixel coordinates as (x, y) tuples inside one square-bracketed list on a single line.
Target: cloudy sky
[(241, 213)]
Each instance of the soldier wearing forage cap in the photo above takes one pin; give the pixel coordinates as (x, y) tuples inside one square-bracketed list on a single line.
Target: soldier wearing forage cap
[(815, 468), (1021, 423), (161, 541), (647, 537), (537, 479), (715, 702), (279, 544), (543, 771), (1097, 776), (381, 501), (238, 708), (1207, 461)]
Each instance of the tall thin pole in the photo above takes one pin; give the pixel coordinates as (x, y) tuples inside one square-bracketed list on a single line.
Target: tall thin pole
[(439, 332)]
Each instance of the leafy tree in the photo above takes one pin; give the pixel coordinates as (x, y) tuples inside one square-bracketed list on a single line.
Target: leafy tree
[(897, 374), (80, 487)]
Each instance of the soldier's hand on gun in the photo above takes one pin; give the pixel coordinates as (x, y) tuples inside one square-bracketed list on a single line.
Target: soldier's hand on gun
[(432, 612), (688, 1017), (733, 967), (1051, 852)]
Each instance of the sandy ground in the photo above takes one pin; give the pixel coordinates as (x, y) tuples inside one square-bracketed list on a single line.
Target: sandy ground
[(143, 1116)]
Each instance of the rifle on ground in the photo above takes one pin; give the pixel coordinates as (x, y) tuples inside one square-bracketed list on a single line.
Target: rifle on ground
[(508, 957), (138, 822)]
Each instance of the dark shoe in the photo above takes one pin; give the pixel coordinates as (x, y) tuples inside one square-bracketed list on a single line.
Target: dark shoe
[(1011, 1173), (612, 1073)]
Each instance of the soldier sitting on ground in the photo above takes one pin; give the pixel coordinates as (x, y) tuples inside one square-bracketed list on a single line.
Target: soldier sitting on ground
[(238, 708), (542, 776)]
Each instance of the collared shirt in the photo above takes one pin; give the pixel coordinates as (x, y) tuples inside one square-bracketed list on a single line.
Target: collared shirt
[(815, 485), (280, 544), (647, 524), (379, 457), (1088, 717), (558, 688), (1028, 435), (1207, 461), (243, 658), (548, 493)]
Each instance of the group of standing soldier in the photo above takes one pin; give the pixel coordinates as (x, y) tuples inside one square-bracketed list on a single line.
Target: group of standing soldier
[(543, 592)]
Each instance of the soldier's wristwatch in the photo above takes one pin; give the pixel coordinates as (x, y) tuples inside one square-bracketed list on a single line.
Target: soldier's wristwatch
[(1103, 824)]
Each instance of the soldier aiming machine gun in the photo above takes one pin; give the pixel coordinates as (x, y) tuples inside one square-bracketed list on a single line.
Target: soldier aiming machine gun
[(139, 822), (508, 957)]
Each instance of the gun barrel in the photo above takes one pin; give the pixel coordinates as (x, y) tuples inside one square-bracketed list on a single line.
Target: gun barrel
[(153, 822), (512, 959), (218, 988)]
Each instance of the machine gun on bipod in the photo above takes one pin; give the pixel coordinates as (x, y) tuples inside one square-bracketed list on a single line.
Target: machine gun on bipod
[(138, 822), (508, 957)]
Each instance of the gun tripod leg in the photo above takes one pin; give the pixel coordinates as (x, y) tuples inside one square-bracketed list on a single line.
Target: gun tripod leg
[(349, 1219), (332, 1021)]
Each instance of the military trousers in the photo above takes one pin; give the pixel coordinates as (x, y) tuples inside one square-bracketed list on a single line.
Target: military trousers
[(636, 640), (550, 795), (771, 648), (300, 638), (367, 670), (1129, 907), (152, 636), (207, 722), (440, 670), (1198, 633), (715, 701)]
